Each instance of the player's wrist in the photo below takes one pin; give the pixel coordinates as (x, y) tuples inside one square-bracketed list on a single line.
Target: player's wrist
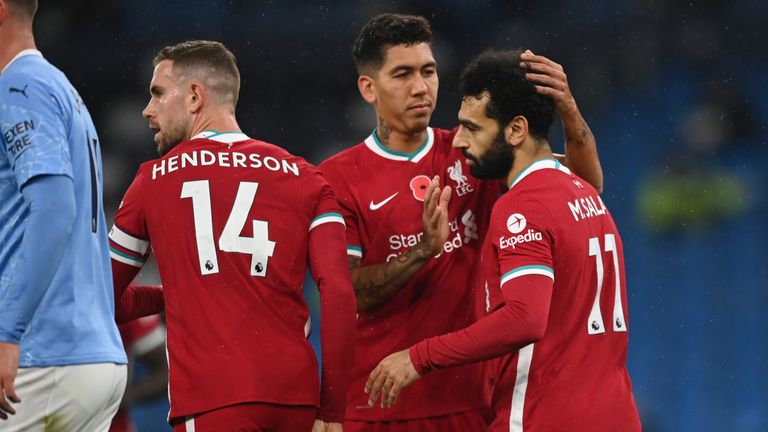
[(423, 251)]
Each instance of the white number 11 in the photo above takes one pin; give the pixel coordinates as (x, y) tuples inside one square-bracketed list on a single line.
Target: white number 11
[(259, 247), (595, 323)]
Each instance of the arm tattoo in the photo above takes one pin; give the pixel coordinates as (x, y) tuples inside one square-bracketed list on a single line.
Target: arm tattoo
[(375, 284)]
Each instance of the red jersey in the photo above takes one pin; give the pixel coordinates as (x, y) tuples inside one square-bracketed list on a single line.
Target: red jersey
[(554, 268), (381, 194), (233, 223), (139, 337)]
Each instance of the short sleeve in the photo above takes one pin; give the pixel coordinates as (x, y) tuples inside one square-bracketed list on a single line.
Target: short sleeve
[(523, 238), (34, 129), (129, 238)]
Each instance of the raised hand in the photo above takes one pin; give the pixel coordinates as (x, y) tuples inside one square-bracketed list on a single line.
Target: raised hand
[(435, 218), (390, 377), (550, 79)]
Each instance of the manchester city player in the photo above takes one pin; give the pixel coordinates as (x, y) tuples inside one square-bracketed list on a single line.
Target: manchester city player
[(60, 351)]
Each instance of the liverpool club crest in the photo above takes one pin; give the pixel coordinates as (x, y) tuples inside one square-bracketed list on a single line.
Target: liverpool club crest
[(455, 173)]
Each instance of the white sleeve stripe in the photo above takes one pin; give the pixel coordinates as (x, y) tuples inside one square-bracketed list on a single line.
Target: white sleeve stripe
[(326, 218), (128, 241), (355, 252), (125, 260), (528, 271)]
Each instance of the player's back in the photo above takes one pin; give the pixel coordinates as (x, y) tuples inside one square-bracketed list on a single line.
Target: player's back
[(228, 218), (576, 374)]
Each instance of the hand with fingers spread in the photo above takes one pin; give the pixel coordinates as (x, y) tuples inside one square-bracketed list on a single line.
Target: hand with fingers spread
[(9, 363), (581, 147), (550, 79), (435, 219), (390, 377)]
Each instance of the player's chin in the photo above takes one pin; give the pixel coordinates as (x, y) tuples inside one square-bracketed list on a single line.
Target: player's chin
[(418, 123)]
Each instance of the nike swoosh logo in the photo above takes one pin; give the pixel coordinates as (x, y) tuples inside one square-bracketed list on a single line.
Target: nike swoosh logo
[(376, 206)]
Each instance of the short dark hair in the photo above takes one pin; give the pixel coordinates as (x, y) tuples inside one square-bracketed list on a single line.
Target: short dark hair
[(384, 31), (209, 61), (27, 8), (511, 93)]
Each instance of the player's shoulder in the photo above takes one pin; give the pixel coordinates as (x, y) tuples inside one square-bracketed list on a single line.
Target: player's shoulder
[(444, 136), (343, 158), (31, 81)]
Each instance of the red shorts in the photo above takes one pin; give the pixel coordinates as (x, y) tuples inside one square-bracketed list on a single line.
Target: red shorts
[(468, 421), (251, 417)]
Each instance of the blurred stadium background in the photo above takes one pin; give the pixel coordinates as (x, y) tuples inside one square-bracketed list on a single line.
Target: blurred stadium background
[(676, 93)]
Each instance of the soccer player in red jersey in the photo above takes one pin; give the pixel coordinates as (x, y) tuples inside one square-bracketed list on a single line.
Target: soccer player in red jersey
[(553, 266), (411, 281), (233, 223)]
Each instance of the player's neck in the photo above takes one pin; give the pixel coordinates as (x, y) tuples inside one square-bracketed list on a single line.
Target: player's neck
[(399, 141), (16, 38), (525, 157), (220, 122)]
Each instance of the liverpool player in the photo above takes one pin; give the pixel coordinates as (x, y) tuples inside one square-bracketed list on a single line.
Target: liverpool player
[(233, 223), (411, 281), (553, 266)]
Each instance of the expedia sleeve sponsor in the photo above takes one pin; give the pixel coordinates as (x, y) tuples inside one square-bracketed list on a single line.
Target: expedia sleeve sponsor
[(17, 138), (530, 235)]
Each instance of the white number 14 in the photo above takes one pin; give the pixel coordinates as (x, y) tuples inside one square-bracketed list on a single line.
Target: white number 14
[(595, 323), (259, 247)]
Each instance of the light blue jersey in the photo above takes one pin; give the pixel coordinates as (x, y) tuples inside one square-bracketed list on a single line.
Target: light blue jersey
[(47, 130)]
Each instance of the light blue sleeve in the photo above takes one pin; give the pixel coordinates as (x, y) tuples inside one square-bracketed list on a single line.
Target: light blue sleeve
[(52, 212), (34, 128)]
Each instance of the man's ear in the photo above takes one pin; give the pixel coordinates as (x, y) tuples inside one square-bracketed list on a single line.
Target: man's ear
[(516, 131), (4, 12), (197, 97), (367, 87)]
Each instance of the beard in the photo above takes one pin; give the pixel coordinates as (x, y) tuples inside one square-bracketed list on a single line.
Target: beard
[(495, 163), (172, 135)]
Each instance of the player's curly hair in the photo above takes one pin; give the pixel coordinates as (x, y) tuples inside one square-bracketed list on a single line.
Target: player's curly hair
[(384, 31), (511, 93)]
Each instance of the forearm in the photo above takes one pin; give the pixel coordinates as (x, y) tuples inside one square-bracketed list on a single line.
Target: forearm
[(581, 148), (50, 224), (134, 301), (521, 321), (375, 284), (337, 308), (138, 301)]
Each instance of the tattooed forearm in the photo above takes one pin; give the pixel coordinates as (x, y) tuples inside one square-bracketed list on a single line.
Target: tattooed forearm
[(375, 284)]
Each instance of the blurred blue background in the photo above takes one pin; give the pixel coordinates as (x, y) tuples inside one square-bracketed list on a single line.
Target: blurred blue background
[(675, 92)]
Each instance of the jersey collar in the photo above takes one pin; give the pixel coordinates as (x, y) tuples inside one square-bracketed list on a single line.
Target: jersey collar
[(223, 137), (26, 52), (537, 166), (374, 145)]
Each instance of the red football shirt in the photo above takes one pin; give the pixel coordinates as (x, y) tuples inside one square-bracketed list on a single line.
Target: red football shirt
[(381, 194), (233, 223), (554, 267)]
